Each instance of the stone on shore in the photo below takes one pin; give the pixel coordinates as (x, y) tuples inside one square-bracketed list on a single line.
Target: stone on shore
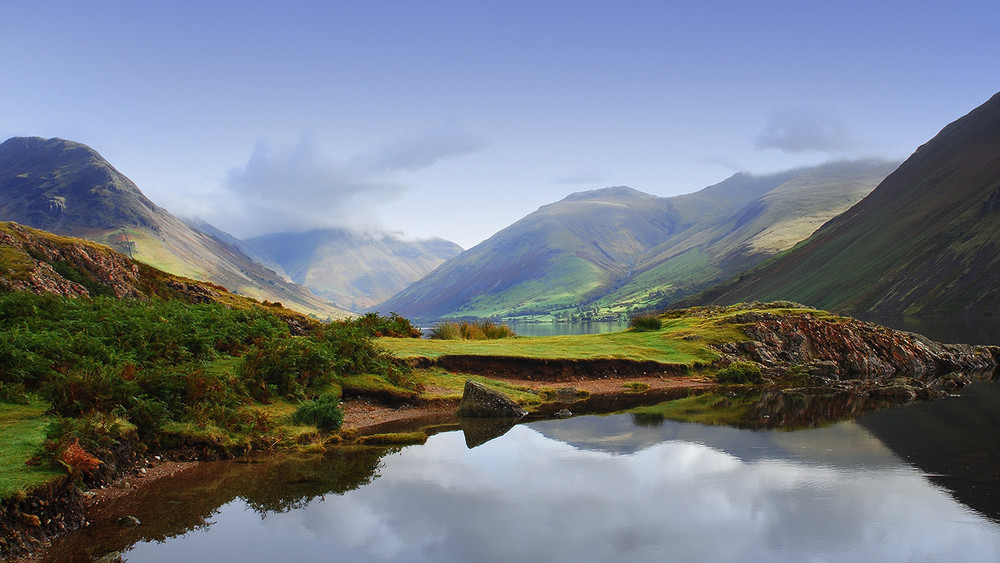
[(479, 401)]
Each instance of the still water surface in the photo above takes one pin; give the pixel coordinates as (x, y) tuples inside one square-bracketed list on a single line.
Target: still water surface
[(914, 483)]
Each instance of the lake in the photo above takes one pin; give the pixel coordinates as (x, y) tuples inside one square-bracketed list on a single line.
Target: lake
[(912, 483), (559, 329)]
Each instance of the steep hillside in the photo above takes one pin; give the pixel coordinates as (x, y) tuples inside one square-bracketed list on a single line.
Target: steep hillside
[(715, 250), (40, 262), (611, 250), (925, 241), (352, 270), (68, 188)]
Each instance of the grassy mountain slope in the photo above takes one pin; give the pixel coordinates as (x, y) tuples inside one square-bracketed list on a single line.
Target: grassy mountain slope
[(352, 270), (713, 251), (925, 241), (555, 257), (617, 248), (68, 188)]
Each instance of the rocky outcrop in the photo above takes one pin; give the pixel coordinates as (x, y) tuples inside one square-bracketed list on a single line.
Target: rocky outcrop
[(479, 401), (48, 264), (839, 349)]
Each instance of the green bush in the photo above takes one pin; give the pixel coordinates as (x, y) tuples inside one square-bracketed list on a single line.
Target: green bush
[(285, 366), (13, 393), (740, 371), (149, 364), (324, 412), (645, 323), (394, 326)]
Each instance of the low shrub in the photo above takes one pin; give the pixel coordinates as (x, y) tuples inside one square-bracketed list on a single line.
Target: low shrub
[(447, 331), (465, 330), (324, 412), (285, 366), (645, 323), (740, 371), (393, 326)]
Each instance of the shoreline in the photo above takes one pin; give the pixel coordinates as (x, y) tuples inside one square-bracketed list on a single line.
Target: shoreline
[(367, 416), (364, 416)]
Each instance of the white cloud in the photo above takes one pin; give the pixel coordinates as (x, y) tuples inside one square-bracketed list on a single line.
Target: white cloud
[(298, 187), (804, 130), (415, 153)]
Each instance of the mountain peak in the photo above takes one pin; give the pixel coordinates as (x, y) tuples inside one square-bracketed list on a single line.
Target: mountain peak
[(67, 188), (613, 192), (55, 184)]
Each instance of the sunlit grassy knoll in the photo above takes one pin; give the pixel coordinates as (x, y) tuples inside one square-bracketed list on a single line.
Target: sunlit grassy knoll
[(22, 433), (684, 339)]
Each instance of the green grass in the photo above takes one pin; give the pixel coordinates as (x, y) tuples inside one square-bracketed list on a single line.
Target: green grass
[(683, 340), (368, 383), (568, 280), (686, 338), (22, 433), (444, 385)]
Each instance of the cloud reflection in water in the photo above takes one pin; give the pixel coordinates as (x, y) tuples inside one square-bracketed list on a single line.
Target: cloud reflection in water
[(526, 496)]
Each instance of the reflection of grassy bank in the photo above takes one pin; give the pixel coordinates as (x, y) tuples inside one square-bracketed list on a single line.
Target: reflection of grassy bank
[(706, 408), (773, 409)]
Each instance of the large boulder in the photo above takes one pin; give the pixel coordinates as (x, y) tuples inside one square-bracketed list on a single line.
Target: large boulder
[(479, 401)]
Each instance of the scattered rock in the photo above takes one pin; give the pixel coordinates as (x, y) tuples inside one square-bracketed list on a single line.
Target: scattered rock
[(563, 413), (31, 520), (113, 557), (128, 521), (479, 401), (567, 394)]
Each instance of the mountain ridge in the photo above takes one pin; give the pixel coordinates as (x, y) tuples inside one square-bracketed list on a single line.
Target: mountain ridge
[(925, 241), (575, 254)]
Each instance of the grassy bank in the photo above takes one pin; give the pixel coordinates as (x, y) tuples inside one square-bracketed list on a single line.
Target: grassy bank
[(78, 376), (167, 374)]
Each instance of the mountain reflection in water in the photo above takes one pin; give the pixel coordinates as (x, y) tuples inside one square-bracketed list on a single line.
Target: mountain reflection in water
[(590, 488)]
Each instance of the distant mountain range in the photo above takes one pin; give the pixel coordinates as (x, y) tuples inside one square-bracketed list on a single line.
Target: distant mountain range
[(619, 250), (353, 270), (67, 188), (925, 241)]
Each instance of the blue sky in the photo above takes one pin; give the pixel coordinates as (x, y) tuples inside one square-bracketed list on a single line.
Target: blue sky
[(455, 119)]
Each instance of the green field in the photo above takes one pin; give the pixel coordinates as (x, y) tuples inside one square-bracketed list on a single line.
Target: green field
[(682, 340)]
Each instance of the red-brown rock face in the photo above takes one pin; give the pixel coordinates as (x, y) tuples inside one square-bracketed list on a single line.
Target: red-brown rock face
[(859, 350), (36, 255)]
